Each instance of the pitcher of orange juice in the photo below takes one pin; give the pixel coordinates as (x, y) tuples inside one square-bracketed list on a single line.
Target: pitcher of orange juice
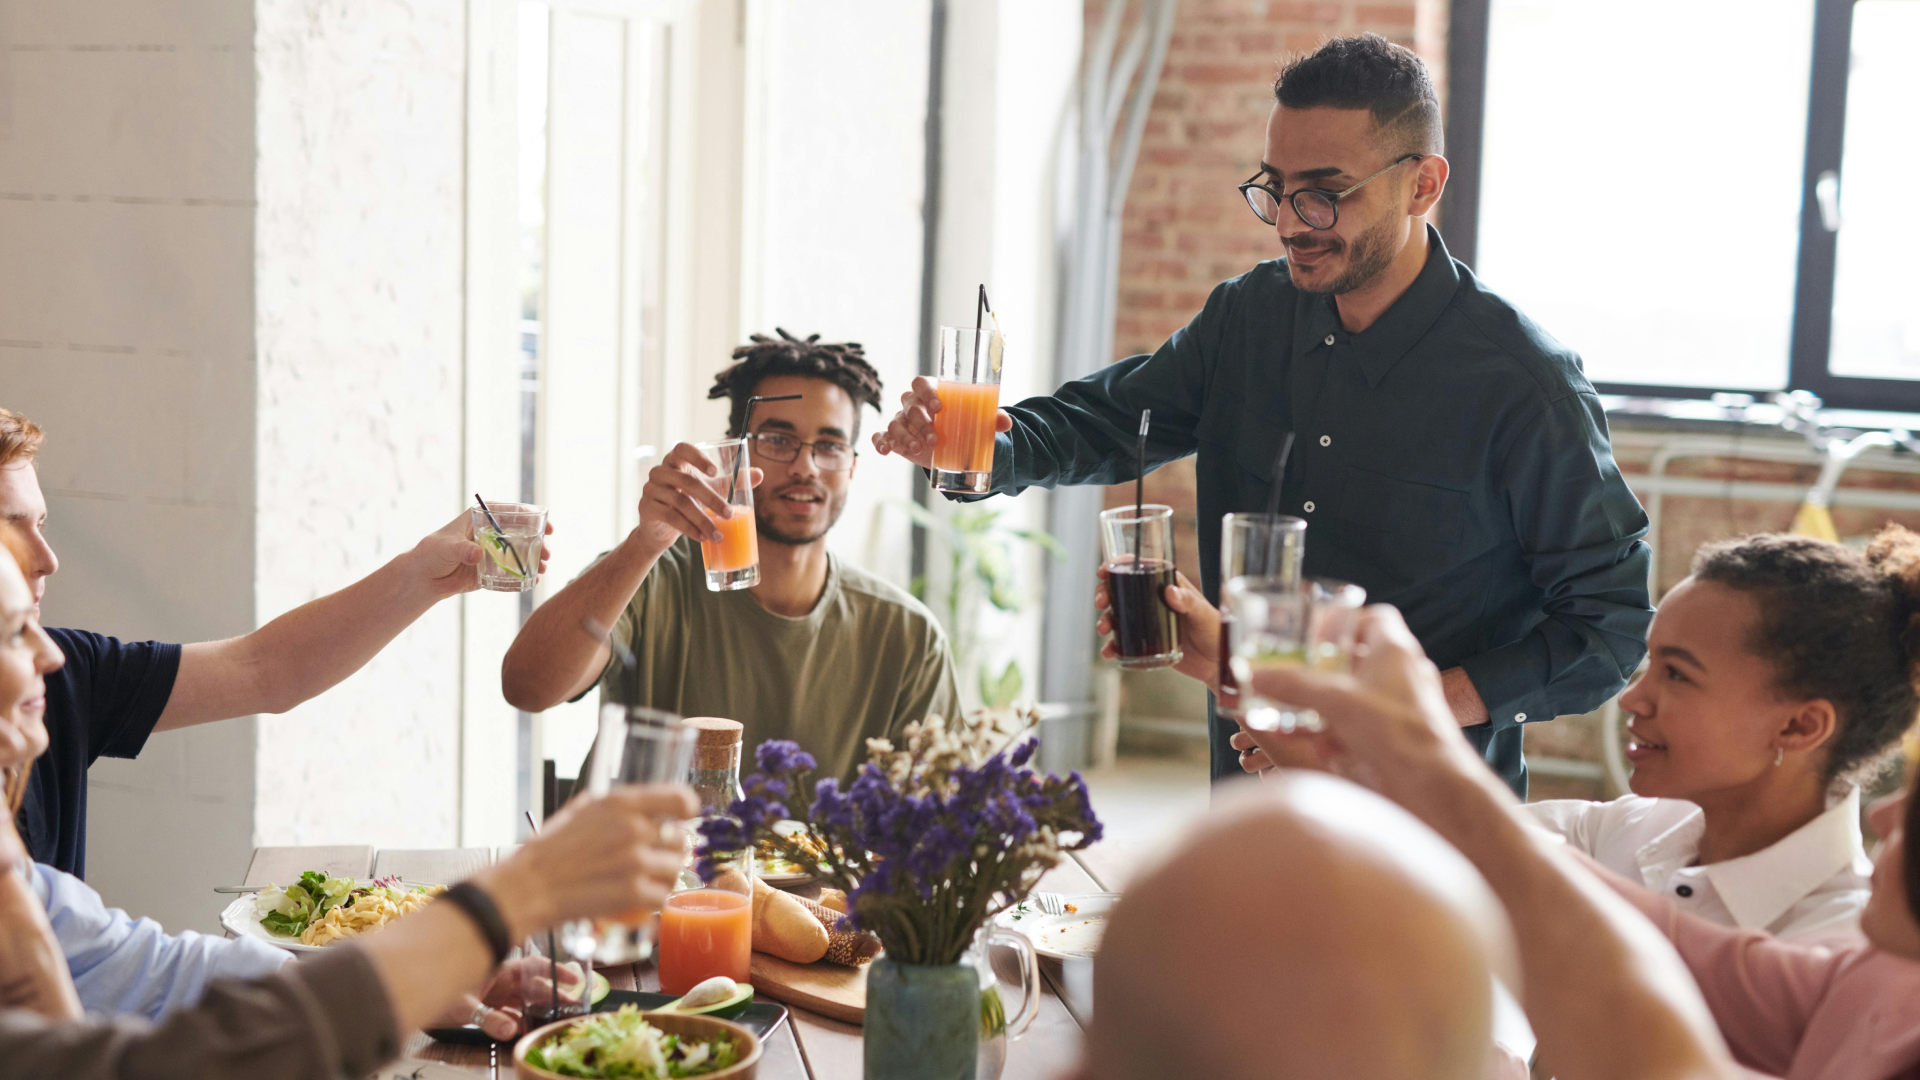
[(706, 928)]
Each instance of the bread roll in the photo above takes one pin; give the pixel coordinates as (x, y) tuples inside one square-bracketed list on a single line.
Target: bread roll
[(782, 926)]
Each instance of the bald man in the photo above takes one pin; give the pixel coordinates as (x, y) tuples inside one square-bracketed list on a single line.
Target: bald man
[(1309, 929)]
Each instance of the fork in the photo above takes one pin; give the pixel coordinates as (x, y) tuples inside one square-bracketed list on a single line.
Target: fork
[(1050, 903)]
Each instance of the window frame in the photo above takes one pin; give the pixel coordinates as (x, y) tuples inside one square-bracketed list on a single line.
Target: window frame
[(1811, 336)]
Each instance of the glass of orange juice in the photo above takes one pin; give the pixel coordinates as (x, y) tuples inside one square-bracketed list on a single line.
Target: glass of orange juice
[(733, 561), (636, 745), (969, 389), (706, 929)]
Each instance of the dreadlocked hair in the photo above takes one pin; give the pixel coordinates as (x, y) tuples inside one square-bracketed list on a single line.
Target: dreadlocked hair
[(842, 364)]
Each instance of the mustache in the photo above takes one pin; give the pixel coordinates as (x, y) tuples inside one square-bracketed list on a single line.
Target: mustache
[(801, 487), (1295, 244)]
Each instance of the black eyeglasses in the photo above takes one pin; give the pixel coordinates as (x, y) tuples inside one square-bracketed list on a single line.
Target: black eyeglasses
[(829, 455), (1319, 209)]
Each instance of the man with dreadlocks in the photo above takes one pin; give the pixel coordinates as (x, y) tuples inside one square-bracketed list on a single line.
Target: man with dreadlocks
[(819, 652)]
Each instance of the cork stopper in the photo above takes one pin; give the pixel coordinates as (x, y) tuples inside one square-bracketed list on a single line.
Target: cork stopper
[(716, 744)]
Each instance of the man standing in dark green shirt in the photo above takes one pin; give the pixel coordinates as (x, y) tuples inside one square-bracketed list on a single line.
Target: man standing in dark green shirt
[(1450, 456)]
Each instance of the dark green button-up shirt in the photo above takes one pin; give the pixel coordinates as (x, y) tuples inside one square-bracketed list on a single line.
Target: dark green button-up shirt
[(1451, 458)]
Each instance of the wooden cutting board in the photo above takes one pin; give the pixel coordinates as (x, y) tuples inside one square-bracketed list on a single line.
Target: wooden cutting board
[(828, 989)]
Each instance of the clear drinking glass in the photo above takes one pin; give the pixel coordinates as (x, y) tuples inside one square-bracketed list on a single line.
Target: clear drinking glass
[(1138, 549), (1253, 545), (1303, 624), (706, 929), (969, 390), (513, 549), (1336, 622), (733, 562), (1272, 628), (552, 986), (649, 747)]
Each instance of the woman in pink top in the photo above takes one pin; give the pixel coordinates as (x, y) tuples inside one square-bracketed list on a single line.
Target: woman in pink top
[(1848, 1011)]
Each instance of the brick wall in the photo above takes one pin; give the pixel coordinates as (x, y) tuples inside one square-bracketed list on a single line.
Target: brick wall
[(1186, 228)]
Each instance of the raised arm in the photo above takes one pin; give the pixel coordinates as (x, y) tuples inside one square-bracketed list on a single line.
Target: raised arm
[(345, 1012), (554, 658), (1592, 967), (1084, 432), (1582, 534), (312, 648)]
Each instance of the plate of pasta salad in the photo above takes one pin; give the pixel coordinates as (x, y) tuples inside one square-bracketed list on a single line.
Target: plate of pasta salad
[(309, 914)]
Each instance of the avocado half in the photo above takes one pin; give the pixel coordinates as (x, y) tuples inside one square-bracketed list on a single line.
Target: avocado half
[(725, 1009)]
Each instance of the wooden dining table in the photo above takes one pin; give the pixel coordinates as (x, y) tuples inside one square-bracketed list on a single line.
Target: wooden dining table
[(808, 1046)]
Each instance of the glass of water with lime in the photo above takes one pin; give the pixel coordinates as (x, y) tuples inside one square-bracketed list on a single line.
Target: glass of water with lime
[(512, 535)]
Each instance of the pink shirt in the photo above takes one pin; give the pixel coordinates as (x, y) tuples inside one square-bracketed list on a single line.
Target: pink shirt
[(1836, 1010)]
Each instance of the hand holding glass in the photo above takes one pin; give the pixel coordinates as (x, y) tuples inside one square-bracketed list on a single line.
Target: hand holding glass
[(635, 746), (969, 389), (513, 549), (733, 561)]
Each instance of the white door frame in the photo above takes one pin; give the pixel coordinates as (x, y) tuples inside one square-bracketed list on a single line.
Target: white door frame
[(689, 242)]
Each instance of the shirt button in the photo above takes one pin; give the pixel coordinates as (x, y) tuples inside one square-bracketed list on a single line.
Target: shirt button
[(1308, 507), (1685, 890), (1519, 718), (1326, 440), (1329, 339)]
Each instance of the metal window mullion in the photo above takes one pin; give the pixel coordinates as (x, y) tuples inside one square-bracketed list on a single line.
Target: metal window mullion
[(1826, 123)]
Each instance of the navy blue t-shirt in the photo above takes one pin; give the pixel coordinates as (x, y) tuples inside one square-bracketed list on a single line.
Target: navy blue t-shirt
[(104, 702)]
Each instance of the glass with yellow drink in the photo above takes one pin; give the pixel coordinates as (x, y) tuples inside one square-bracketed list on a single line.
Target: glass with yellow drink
[(1282, 623), (733, 561), (969, 389)]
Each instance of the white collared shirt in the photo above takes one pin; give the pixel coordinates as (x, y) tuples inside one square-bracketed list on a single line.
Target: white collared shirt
[(1813, 881)]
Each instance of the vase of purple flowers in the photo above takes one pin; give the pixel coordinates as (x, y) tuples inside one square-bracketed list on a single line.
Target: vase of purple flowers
[(929, 842)]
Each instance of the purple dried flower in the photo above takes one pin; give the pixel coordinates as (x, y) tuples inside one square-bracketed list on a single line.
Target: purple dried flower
[(782, 756)]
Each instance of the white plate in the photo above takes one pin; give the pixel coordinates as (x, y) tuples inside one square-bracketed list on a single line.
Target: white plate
[(1072, 936), (241, 919), (788, 880)]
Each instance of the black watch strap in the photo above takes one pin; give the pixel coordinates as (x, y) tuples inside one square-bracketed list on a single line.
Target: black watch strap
[(480, 907)]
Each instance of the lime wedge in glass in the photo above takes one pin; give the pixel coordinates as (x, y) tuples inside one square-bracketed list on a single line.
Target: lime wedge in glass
[(502, 556)]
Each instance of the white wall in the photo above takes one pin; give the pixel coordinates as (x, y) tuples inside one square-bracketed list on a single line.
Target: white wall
[(361, 123), (126, 330), (231, 291)]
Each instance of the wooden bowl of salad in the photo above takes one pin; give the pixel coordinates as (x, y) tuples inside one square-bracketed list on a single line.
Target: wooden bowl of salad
[(627, 1044)]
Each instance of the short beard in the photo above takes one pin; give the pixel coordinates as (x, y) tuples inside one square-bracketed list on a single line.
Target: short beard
[(774, 536), (1368, 256)]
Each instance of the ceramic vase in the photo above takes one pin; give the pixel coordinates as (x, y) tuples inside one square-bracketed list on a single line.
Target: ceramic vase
[(946, 1021)]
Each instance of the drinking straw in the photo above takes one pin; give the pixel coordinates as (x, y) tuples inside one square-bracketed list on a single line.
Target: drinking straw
[(502, 534), (1273, 504), (1140, 482), (980, 308), (553, 955), (595, 630), (746, 425)]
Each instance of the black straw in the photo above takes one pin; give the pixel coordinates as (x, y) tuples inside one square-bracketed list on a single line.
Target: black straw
[(502, 534), (1273, 505), (1140, 485), (746, 425)]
